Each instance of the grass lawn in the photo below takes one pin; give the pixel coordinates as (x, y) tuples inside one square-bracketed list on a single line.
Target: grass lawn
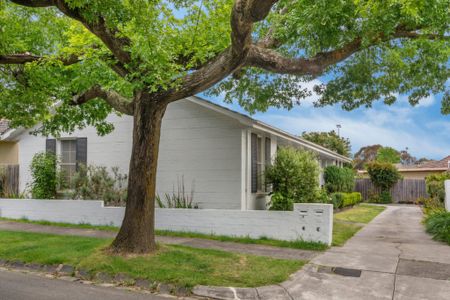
[(346, 224), (299, 244), (363, 213), (180, 265)]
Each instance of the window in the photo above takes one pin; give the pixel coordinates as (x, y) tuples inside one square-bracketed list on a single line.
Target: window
[(260, 159), (68, 159), (259, 165)]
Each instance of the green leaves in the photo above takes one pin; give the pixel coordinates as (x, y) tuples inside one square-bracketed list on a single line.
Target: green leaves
[(330, 140), (294, 176), (167, 40)]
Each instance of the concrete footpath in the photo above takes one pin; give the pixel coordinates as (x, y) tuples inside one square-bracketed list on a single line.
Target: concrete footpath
[(261, 250), (391, 258)]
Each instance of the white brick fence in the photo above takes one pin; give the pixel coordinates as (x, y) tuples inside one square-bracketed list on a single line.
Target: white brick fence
[(310, 222)]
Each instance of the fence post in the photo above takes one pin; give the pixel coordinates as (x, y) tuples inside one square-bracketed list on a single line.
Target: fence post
[(447, 195)]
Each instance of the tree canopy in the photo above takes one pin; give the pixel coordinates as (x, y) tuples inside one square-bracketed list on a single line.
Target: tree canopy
[(330, 140), (388, 155), (51, 50), (70, 63)]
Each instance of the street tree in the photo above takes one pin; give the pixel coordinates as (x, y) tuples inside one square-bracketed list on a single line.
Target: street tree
[(330, 140), (68, 64)]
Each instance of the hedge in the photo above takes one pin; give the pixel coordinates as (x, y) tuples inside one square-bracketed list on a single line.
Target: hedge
[(339, 179), (341, 200)]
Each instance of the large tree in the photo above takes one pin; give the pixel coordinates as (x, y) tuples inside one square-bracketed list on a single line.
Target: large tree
[(330, 140), (365, 155), (70, 63), (388, 155)]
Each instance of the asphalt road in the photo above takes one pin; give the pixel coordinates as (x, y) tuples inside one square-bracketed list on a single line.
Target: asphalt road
[(20, 286)]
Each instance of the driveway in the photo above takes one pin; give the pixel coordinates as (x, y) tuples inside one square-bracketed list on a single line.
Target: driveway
[(391, 258), (19, 286), (397, 259)]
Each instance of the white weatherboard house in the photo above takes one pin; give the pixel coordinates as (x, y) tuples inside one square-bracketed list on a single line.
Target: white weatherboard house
[(221, 154)]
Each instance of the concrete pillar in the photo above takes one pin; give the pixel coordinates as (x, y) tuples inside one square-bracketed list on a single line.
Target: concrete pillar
[(447, 195)]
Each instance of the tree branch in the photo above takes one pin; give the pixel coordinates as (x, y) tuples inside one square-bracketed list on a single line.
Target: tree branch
[(98, 27), (20, 59), (273, 61), (117, 101), (35, 3), (243, 15), (23, 58)]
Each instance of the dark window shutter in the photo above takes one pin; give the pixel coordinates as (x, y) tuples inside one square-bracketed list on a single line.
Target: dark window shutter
[(81, 154), (254, 166), (267, 152), (50, 146)]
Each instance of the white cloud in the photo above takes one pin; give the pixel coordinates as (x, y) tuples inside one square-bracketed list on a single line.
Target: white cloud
[(425, 102), (385, 128), (309, 101), (399, 125)]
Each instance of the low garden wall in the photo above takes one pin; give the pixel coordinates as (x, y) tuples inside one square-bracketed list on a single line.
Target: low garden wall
[(310, 222)]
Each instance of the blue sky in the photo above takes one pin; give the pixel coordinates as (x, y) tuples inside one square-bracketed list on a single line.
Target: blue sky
[(423, 129)]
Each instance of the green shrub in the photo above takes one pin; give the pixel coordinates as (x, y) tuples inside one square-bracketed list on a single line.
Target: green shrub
[(339, 179), (178, 199), (383, 176), (337, 200), (96, 183), (438, 224), (341, 200), (435, 185), (279, 202), (432, 205), (295, 175), (45, 180)]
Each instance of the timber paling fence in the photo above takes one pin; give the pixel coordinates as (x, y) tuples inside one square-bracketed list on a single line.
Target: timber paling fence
[(404, 191), (9, 180)]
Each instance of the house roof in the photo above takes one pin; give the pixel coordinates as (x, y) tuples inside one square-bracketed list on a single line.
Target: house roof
[(245, 119), (433, 165)]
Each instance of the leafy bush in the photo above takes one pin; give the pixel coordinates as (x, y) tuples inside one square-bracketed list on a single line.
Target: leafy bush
[(339, 179), (438, 224), (432, 205), (383, 176), (96, 183), (279, 202), (337, 200), (178, 199), (295, 175), (435, 185), (45, 176), (341, 200)]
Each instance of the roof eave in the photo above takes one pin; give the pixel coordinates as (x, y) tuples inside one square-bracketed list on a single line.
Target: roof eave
[(248, 121)]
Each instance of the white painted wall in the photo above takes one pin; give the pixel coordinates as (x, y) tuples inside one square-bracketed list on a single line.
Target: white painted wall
[(200, 144), (447, 195), (311, 222)]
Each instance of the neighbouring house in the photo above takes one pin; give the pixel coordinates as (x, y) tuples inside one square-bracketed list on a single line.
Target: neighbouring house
[(9, 151), (420, 171), (220, 154), (423, 170)]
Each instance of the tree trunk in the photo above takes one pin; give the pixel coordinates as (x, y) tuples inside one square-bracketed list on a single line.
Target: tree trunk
[(138, 227)]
